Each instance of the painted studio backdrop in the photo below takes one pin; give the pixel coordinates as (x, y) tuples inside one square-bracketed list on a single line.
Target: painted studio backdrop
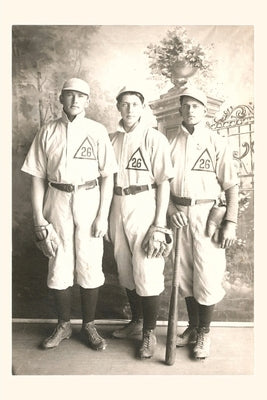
[(221, 62)]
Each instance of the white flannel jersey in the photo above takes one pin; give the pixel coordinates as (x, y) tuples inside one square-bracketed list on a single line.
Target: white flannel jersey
[(203, 163), (143, 156), (71, 152)]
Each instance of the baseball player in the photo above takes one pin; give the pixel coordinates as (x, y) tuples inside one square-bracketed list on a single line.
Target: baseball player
[(138, 215), (73, 154), (204, 169)]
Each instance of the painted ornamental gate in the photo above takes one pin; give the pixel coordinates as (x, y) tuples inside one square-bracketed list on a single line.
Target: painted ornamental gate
[(237, 123)]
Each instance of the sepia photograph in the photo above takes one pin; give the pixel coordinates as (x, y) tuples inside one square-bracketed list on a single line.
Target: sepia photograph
[(132, 200), (132, 206)]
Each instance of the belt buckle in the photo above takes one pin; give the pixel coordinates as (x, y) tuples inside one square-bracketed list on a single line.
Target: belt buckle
[(70, 187), (118, 190), (192, 202), (127, 190)]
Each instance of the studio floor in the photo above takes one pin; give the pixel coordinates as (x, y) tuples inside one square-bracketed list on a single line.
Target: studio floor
[(232, 353)]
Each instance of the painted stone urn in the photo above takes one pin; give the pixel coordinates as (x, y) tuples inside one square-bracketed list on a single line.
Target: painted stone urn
[(180, 73)]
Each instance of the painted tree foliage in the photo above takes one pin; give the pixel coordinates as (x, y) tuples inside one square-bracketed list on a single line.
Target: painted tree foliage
[(43, 58)]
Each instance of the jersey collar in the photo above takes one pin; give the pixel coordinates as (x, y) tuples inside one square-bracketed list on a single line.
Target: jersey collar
[(198, 129), (77, 118), (120, 127)]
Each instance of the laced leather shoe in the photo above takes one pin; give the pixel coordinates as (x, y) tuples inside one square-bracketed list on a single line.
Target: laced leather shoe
[(148, 346), (189, 336), (94, 340), (202, 347), (133, 328), (63, 331)]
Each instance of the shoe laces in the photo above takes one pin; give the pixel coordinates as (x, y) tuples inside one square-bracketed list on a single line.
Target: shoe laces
[(201, 337), (147, 339), (93, 333), (58, 328), (61, 326)]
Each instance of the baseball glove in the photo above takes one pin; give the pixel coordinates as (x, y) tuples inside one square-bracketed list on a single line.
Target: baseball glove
[(214, 222), (158, 241), (49, 244)]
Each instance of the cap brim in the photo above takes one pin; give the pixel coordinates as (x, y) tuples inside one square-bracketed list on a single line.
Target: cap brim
[(75, 90), (194, 97)]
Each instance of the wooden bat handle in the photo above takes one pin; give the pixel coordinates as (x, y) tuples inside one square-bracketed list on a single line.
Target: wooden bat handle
[(173, 308)]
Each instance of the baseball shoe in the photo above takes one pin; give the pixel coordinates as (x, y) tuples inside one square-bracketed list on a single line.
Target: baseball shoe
[(94, 340), (189, 336), (202, 347), (133, 328), (148, 345), (63, 331)]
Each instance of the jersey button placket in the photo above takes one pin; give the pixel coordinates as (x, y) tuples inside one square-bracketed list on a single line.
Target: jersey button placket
[(186, 164), (68, 129), (71, 137), (123, 172)]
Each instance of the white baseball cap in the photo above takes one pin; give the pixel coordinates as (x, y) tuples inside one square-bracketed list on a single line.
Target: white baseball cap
[(131, 88), (78, 85), (196, 94)]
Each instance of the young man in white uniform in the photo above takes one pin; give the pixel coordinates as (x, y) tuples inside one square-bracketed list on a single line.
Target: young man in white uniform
[(70, 215), (141, 197), (204, 168)]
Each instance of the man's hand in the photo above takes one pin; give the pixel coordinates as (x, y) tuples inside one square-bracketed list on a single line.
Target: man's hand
[(227, 235), (99, 227), (178, 219)]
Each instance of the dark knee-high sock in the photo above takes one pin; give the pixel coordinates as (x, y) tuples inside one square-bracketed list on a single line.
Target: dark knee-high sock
[(88, 303), (192, 311), (150, 306), (205, 316), (135, 304), (63, 303)]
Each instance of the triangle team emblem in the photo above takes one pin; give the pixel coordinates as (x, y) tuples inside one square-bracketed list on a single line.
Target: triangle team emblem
[(137, 161), (85, 151), (204, 163)]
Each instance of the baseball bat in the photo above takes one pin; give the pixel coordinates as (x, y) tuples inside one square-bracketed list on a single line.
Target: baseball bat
[(173, 307)]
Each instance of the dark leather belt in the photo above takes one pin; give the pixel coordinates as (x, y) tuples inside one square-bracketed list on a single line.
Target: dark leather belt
[(186, 201), (69, 187), (133, 189)]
